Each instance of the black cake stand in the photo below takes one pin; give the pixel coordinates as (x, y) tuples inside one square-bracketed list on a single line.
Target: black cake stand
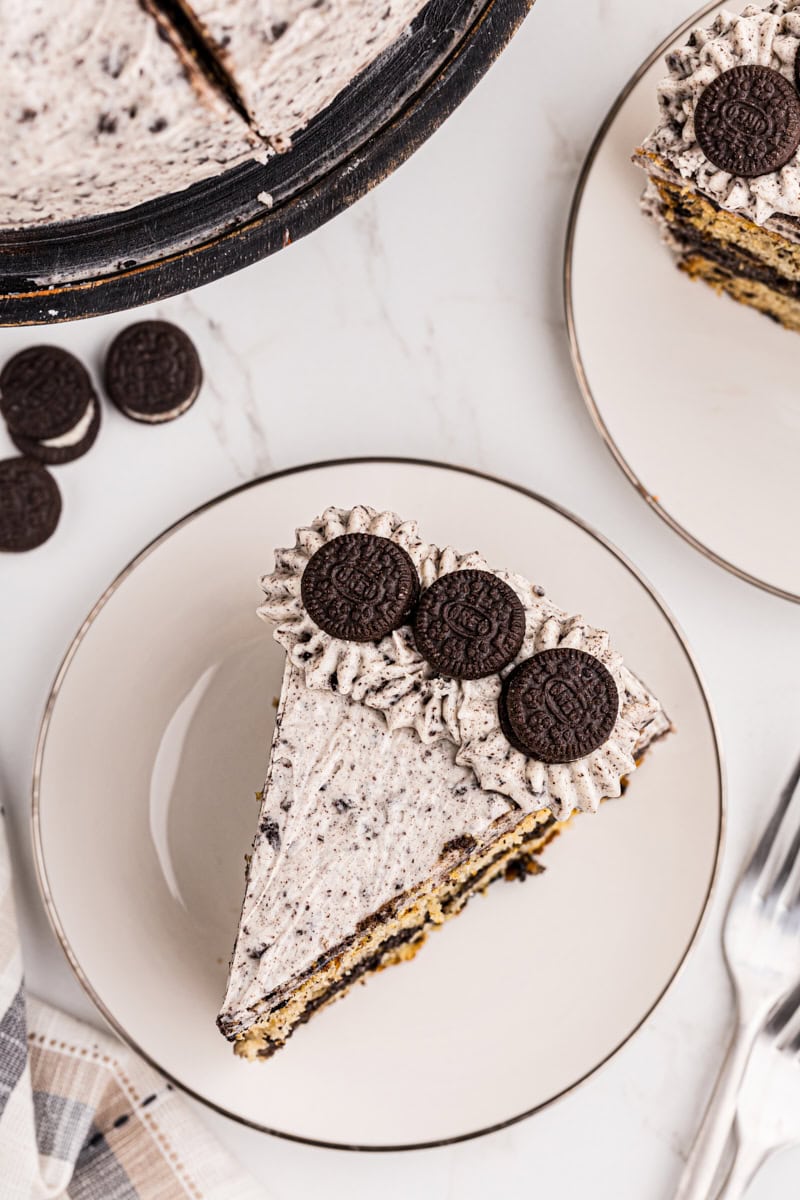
[(104, 264)]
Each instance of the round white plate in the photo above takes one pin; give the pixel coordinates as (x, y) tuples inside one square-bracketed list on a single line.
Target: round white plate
[(695, 395), (156, 738)]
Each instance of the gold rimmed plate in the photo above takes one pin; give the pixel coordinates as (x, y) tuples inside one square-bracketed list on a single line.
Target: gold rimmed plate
[(155, 740), (693, 394)]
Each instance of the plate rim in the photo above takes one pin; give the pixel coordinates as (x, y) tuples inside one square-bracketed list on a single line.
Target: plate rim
[(35, 814), (212, 257), (572, 333)]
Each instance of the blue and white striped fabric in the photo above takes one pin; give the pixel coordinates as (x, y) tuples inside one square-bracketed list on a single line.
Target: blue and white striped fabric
[(82, 1117)]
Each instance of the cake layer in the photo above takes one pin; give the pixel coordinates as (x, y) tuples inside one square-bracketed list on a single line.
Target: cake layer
[(102, 110), (694, 218), (753, 265), (767, 300), (398, 938)]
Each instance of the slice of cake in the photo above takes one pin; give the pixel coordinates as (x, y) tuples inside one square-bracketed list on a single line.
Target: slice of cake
[(439, 722), (103, 109), (723, 162), (288, 59)]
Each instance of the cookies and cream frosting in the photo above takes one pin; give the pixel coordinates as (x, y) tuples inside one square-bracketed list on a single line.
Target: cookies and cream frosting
[(767, 37), (392, 677), (289, 59), (101, 110)]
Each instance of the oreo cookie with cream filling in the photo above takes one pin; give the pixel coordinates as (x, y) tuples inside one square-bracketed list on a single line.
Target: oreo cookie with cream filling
[(49, 404), (152, 372), (66, 447)]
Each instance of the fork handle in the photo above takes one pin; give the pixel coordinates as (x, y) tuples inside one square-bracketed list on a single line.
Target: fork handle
[(697, 1180), (749, 1156)]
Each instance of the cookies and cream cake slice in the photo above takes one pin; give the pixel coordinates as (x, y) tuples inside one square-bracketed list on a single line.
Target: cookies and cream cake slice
[(288, 59), (102, 109), (439, 722), (724, 160)]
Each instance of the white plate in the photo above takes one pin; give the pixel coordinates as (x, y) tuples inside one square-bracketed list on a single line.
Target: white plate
[(695, 395), (156, 738)]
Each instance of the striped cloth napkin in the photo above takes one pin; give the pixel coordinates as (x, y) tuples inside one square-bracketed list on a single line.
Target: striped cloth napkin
[(82, 1117)]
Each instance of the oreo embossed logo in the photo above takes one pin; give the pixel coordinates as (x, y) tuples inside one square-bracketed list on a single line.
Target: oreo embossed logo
[(747, 121), (559, 705), (359, 587), (469, 624)]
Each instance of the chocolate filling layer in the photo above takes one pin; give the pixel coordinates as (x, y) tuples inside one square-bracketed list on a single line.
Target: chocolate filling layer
[(386, 913), (406, 936), (369, 964), (738, 262)]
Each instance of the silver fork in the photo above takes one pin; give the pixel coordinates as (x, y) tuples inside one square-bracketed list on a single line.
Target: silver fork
[(761, 941), (768, 1110)]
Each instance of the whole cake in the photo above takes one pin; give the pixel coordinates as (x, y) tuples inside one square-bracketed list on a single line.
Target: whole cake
[(107, 104), (724, 160), (439, 722)]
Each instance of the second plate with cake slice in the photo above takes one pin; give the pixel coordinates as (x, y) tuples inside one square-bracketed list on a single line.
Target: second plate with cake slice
[(694, 394)]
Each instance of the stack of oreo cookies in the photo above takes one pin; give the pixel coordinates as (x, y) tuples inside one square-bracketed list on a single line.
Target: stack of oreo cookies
[(49, 405), (53, 416), (52, 411)]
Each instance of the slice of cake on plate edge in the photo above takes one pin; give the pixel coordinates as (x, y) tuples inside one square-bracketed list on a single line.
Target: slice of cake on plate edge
[(103, 109), (288, 59), (723, 163), (439, 722)]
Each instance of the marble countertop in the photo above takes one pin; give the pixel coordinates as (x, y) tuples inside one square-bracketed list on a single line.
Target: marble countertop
[(428, 321)]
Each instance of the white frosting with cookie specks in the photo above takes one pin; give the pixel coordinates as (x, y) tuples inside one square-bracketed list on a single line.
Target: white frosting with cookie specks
[(101, 110), (353, 818), (768, 37), (392, 677), (289, 59)]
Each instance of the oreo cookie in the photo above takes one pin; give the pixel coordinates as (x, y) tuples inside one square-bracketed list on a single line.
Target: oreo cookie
[(152, 372), (44, 393), (30, 504), (559, 705), (469, 624), (56, 451), (747, 121), (359, 587)]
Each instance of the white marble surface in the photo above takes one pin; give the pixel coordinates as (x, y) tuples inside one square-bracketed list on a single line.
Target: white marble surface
[(428, 321)]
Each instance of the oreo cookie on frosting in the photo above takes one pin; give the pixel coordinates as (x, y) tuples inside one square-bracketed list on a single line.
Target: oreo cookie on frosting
[(49, 404), (153, 372), (359, 587), (469, 624), (747, 121), (559, 706)]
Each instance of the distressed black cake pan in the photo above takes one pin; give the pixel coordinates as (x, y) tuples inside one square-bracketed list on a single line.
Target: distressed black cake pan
[(60, 272)]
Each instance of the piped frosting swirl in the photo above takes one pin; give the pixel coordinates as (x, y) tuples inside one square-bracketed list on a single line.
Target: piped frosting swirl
[(768, 37), (392, 677)]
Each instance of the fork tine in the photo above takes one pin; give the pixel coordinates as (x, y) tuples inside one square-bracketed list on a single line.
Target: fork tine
[(760, 866), (780, 885), (780, 1017), (794, 1046)]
